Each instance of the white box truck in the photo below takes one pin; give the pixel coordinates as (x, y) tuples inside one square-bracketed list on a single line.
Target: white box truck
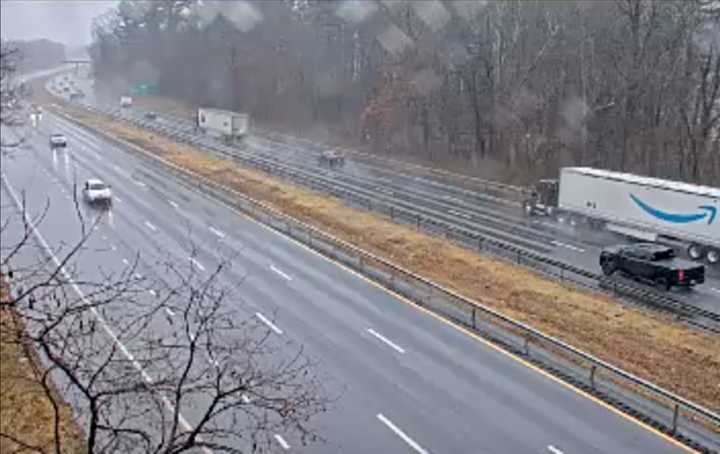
[(650, 209), (126, 101), (223, 123)]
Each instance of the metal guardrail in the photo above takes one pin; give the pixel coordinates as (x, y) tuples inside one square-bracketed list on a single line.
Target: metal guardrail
[(509, 192), (616, 386), (474, 237)]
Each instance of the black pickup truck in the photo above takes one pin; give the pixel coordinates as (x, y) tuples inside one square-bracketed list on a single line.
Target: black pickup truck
[(652, 263)]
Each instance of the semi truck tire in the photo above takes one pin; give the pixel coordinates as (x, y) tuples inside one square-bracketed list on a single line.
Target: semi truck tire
[(712, 255), (527, 209), (695, 251)]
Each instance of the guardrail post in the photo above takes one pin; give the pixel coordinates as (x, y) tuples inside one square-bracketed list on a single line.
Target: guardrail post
[(676, 412), (592, 376), (480, 244), (392, 213), (473, 318), (526, 345), (418, 222), (309, 238)]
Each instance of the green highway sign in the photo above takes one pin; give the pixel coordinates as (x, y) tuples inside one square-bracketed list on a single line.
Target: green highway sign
[(143, 89)]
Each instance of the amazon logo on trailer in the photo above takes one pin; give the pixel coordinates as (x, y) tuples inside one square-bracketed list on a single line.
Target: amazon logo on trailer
[(708, 212)]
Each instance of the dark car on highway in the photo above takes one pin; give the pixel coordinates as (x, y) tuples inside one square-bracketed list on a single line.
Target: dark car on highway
[(58, 140), (651, 263), (332, 158)]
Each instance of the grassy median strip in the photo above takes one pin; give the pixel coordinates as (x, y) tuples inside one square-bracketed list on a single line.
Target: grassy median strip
[(648, 344)]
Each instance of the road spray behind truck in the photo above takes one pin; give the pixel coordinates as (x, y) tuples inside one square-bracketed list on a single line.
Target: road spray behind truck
[(650, 209), (223, 123)]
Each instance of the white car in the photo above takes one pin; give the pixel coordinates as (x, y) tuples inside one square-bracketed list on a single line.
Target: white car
[(95, 191), (58, 140)]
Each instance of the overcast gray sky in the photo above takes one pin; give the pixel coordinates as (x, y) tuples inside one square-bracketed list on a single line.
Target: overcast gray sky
[(65, 21)]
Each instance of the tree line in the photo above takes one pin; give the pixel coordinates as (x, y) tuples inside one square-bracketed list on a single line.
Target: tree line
[(508, 89), (38, 54)]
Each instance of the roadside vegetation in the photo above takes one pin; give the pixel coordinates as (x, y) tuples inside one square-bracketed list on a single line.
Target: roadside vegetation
[(508, 90), (27, 416), (646, 343)]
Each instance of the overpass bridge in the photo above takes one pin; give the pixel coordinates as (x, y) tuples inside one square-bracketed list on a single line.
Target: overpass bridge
[(77, 62)]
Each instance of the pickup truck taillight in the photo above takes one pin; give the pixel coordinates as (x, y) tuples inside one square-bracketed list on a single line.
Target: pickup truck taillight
[(681, 275)]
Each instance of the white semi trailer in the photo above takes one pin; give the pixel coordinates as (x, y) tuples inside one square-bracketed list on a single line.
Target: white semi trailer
[(223, 123), (649, 209)]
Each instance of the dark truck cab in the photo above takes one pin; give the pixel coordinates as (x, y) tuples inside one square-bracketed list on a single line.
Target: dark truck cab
[(652, 263), (543, 199)]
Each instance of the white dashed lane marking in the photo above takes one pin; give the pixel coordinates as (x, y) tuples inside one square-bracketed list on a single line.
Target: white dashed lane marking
[(267, 322), (279, 272), (386, 341)]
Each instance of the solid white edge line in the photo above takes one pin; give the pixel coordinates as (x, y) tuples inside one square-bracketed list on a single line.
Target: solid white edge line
[(270, 324), (385, 340), (412, 443), (282, 442), (278, 271), (150, 226), (171, 408)]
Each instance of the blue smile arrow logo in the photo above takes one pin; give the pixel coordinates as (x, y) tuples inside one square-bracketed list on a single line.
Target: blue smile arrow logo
[(707, 211)]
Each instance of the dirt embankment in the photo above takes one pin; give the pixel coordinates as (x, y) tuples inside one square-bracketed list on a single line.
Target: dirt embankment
[(26, 412), (647, 344)]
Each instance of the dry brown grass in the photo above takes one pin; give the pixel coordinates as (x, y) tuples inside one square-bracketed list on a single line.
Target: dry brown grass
[(26, 413), (645, 343)]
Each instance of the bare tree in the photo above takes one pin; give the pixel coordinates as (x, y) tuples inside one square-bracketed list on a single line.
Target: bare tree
[(151, 365), (12, 93), (527, 87)]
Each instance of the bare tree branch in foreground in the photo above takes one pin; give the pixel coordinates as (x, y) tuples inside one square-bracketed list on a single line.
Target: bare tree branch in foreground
[(151, 366), (12, 93)]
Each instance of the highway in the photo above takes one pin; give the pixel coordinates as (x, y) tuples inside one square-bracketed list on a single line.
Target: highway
[(407, 381), (461, 203)]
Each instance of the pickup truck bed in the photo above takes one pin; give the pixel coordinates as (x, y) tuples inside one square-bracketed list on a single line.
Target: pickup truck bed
[(653, 264)]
